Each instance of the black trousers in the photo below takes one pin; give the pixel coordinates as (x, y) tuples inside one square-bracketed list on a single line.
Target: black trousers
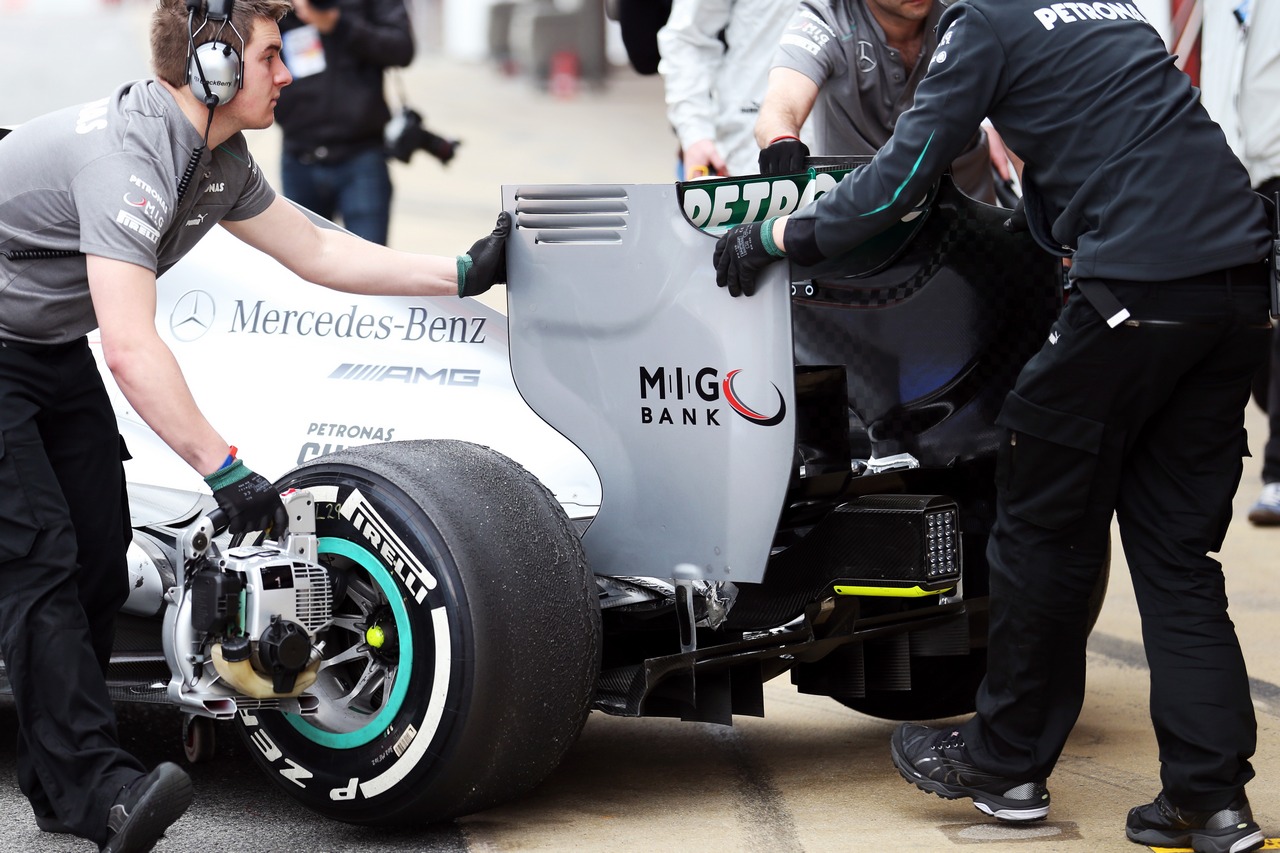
[(1144, 422), (1267, 383), (64, 531)]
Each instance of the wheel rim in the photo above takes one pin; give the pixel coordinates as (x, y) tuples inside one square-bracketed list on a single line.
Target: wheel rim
[(369, 643)]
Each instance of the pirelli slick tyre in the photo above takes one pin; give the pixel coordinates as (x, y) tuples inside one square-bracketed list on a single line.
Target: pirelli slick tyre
[(462, 661)]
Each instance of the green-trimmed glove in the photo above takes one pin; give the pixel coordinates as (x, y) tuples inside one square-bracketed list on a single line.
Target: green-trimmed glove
[(485, 263), (248, 499), (741, 252)]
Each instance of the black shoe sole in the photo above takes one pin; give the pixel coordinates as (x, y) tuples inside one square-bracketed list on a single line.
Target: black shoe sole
[(163, 802), (982, 801), (53, 826), (1201, 841)]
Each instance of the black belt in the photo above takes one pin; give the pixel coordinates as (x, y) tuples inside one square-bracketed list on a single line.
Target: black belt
[(338, 153), (1099, 295), (1102, 300), (40, 349)]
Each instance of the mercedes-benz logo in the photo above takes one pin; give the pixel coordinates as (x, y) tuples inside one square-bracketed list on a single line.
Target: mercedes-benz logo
[(192, 315), (866, 57)]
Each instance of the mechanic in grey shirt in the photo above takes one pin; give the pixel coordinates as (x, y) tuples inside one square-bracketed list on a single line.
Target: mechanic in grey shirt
[(1134, 407), (855, 65), (98, 200)]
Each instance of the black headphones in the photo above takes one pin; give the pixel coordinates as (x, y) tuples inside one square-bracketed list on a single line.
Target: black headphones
[(215, 71)]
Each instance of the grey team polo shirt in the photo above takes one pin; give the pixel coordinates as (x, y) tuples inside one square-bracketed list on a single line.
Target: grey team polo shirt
[(863, 85), (102, 178)]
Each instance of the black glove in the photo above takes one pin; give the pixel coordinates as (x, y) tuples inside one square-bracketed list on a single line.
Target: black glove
[(485, 263), (248, 499), (784, 155), (741, 253), (1017, 221)]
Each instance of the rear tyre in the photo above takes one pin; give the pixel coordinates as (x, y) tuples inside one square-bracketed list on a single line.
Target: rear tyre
[(463, 657)]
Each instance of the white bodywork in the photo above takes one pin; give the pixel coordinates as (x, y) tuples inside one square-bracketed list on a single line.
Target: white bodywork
[(287, 371)]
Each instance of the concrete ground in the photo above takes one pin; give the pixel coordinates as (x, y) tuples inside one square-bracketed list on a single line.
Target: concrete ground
[(811, 775)]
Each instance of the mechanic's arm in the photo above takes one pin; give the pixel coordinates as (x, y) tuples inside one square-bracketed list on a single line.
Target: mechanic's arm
[(964, 80), (124, 300), (786, 106), (692, 53), (1004, 161), (342, 261)]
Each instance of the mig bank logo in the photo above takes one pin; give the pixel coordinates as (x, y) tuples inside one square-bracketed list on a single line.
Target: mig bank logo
[(748, 413), (693, 397), (192, 316)]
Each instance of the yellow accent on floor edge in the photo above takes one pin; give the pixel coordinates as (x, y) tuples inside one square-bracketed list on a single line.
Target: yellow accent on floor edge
[(888, 591)]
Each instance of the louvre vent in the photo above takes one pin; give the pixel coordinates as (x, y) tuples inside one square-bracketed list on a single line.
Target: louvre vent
[(585, 214)]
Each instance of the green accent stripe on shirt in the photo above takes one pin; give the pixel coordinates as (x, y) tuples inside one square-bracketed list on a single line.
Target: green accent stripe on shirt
[(227, 150), (915, 168)]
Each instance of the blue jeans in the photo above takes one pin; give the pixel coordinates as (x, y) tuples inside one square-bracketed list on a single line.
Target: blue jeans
[(356, 190)]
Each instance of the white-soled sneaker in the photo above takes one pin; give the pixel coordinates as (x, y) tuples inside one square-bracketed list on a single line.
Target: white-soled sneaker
[(937, 761), (1266, 512)]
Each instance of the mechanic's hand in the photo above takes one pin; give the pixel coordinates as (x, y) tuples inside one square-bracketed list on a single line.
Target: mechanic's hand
[(1017, 221), (248, 499), (784, 155), (323, 20), (702, 160), (485, 263), (741, 253)]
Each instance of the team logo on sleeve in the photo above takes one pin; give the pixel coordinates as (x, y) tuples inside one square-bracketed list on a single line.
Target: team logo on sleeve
[(810, 35), (146, 206), (940, 52), (129, 222)]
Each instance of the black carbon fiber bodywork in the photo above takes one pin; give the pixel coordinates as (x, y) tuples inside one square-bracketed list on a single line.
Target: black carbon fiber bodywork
[(932, 342)]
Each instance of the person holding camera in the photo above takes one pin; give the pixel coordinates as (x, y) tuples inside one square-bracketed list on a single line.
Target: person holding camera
[(334, 115), (101, 199)]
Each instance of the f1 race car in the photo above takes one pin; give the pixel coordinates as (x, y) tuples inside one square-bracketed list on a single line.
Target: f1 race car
[(631, 494)]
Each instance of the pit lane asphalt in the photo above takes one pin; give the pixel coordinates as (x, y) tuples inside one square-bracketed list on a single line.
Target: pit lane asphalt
[(811, 775)]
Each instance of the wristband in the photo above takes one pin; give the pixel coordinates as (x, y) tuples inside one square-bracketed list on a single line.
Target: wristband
[(231, 457), (766, 238), (233, 473), (782, 137), (464, 266)]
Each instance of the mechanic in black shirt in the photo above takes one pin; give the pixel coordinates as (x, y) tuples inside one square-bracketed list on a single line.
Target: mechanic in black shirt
[(1134, 406)]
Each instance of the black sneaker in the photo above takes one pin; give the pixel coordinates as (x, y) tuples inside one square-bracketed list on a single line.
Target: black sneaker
[(146, 808), (1162, 824), (935, 760)]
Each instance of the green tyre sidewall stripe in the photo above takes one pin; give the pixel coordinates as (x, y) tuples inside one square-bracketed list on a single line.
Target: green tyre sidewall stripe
[(378, 724)]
